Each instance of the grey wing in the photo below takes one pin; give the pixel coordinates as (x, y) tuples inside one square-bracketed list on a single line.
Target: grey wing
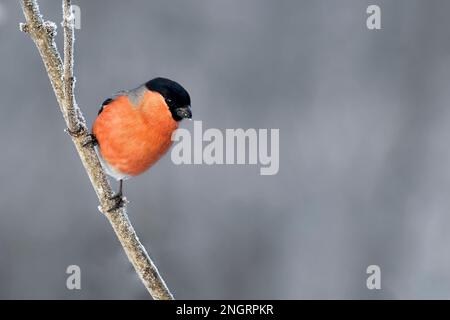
[(135, 96), (109, 100)]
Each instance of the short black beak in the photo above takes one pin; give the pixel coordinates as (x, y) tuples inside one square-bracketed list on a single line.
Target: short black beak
[(184, 112)]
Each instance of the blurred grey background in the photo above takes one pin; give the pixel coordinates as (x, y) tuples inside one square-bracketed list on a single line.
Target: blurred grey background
[(364, 151)]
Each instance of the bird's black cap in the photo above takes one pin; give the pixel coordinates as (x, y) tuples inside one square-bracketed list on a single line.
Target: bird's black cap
[(177, 98)]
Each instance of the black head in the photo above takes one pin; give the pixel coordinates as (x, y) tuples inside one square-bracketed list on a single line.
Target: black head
[(177, 98)]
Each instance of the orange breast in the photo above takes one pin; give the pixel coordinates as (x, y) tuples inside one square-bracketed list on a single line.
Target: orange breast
[(132, 138)]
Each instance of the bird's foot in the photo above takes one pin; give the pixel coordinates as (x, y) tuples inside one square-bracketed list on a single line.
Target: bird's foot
[(90, 140), (77, 132), (119, 202)]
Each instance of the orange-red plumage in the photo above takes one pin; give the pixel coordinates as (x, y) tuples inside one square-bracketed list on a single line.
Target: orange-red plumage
[(133, 130), (132, 138)]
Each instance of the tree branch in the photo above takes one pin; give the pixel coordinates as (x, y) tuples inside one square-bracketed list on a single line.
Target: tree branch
[(43, 34), (72, 109)]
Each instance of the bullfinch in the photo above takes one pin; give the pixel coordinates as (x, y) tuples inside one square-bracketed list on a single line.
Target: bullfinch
[(133, 128)]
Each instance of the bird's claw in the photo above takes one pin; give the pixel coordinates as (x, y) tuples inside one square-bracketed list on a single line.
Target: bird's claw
[(75, 133), (90, 140), (119, 202)]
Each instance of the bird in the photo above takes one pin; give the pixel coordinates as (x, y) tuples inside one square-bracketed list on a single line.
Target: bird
[(133, 128)]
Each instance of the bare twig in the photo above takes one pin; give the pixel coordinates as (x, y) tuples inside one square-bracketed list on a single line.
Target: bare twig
[(74, 125), (62, 80)]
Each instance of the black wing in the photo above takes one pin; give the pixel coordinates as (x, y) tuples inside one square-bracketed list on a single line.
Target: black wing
[(106, 102)]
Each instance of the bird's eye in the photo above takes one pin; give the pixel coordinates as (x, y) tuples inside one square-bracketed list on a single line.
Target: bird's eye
[(169, 101)]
